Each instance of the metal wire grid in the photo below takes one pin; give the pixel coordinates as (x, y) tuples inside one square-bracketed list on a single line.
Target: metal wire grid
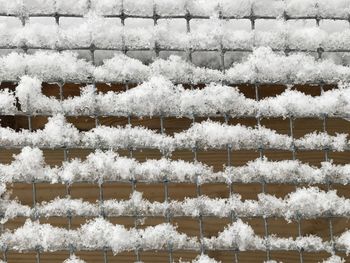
[(188, 17)]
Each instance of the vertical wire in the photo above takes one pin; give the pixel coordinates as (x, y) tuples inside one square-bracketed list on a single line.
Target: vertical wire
[(4, 247), (188, 30), (30, 128), (291, 131), (263, 184), (67, 185), (329, 186), (165, 179), (326, 149), (231, 190), (100, 184), (188, 17), (166, 193), (137, 249), (199, 193)]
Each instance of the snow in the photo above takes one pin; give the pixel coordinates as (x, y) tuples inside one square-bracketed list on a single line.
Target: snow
[(237, 235), (312, 202), (159, 96), (160, 92), (67, 206), (32, 235), (74, 259), (294, 8), (90, 29), (204, 259), (27, 166), (263, 65), (266, 66), (121, 69), (29, 94), (125, 138), (209, 134), (334, 259), (7, 102), (101, 166), (304, 203)]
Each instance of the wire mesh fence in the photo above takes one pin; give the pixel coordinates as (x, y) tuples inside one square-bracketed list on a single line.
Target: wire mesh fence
[(156, 49)]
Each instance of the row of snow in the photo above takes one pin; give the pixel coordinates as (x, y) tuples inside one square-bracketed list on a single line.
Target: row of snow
[(199, 259), (305, 203), (100, 233), (108, 166), (92, 31), (238, 8), (160, 97), (205, 259), (261, 66), (208, 134)]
